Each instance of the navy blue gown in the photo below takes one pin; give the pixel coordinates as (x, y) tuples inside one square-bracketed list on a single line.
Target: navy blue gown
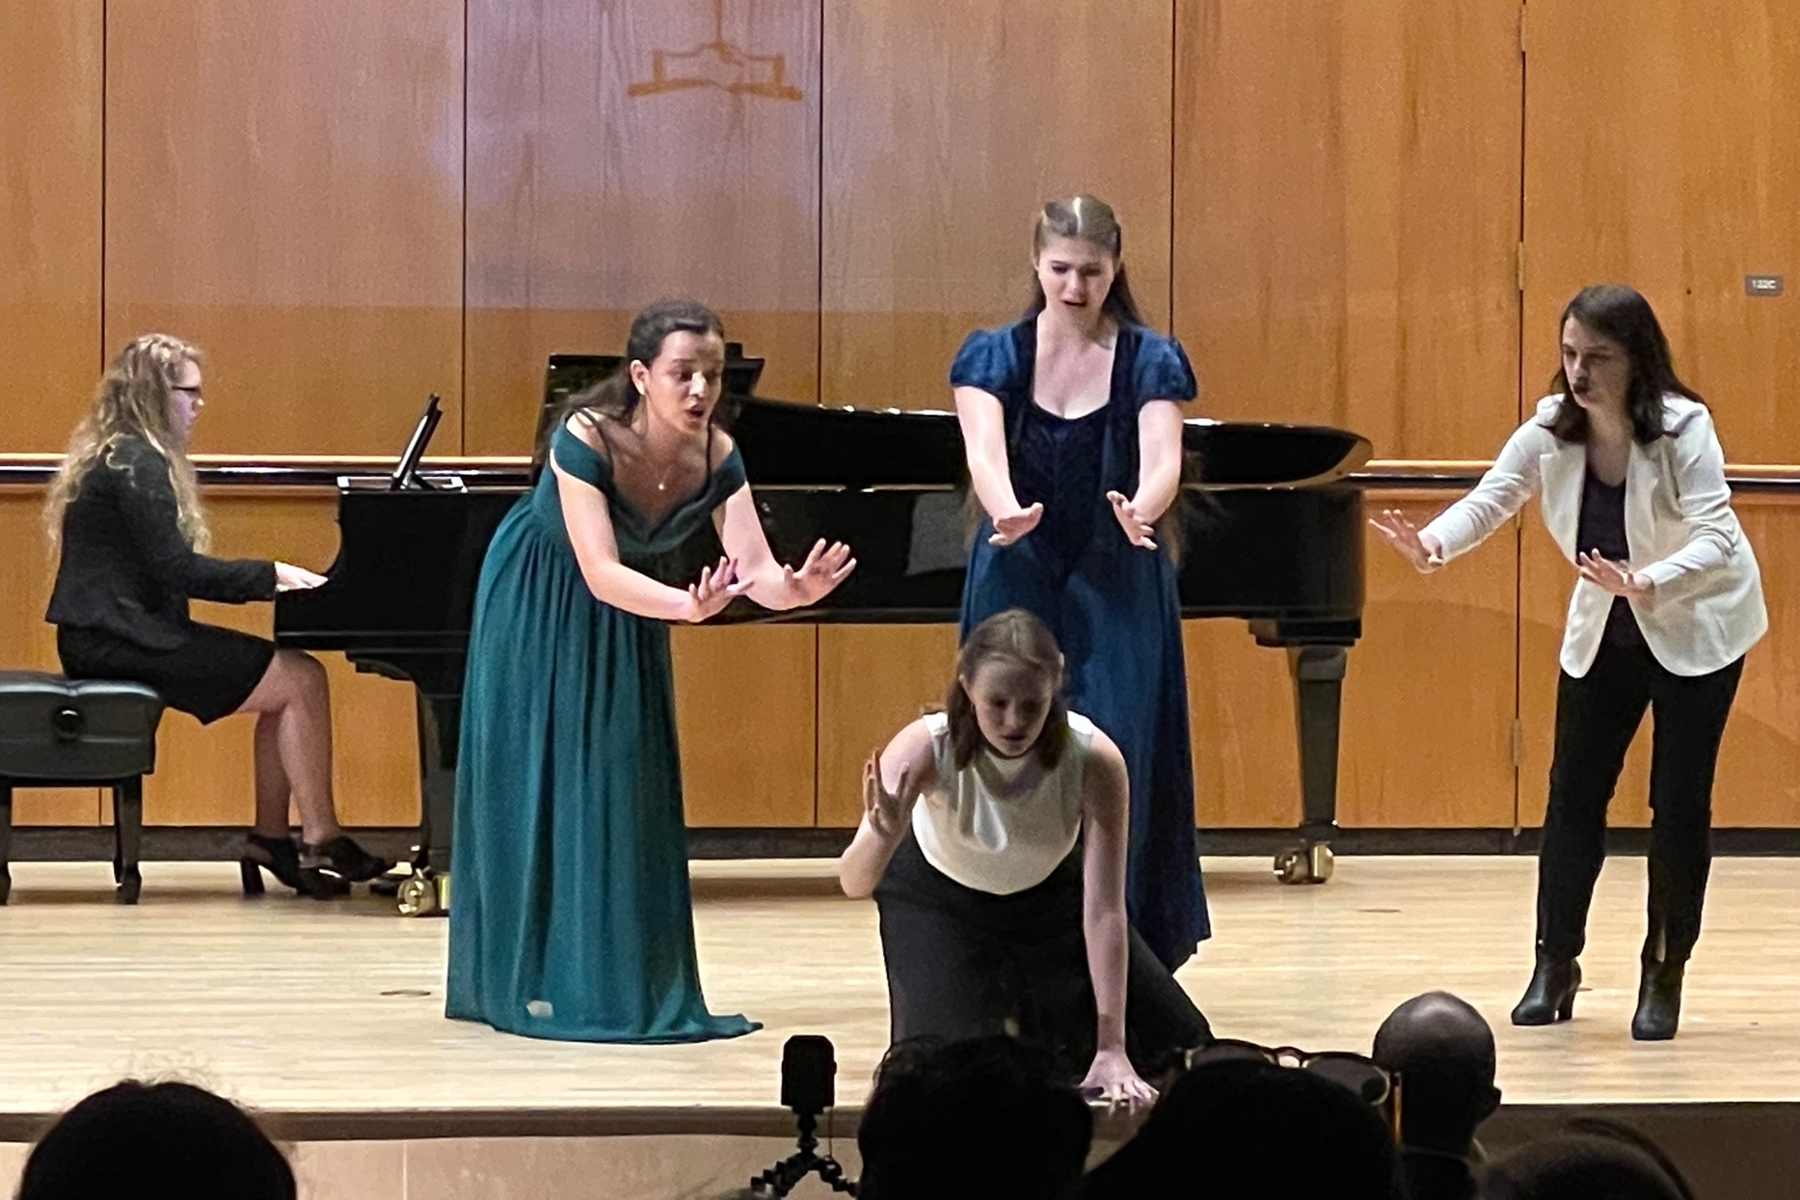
[(1113, 606)]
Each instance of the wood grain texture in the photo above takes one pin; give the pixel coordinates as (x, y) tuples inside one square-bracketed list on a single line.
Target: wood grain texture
[(587, 201), (872, 681), (297, 1007), (1674, 170), (1346, 184), (947, 124), (50, 123), (284, 187), (28, 644), (1758, 782), (744, 704)]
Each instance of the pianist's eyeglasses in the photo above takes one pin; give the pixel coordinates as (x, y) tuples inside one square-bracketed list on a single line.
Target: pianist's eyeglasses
[(1371, 1082)]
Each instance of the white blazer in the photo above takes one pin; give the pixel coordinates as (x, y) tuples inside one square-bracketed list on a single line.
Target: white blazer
[(1707, 606)]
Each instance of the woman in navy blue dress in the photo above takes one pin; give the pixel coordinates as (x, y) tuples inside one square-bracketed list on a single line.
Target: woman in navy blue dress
[(1072, 427)]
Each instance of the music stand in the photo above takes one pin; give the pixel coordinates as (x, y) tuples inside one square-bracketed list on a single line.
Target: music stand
[(405, 476)]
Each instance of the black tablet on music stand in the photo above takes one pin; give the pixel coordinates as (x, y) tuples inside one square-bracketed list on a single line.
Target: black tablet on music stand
[(406, 471)]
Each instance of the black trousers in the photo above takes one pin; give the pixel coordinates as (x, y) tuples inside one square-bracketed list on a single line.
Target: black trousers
[(964, 963), (1596, 718)]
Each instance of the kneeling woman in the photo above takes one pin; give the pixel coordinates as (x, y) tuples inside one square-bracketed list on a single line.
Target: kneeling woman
[(992, 918), (125, 512)]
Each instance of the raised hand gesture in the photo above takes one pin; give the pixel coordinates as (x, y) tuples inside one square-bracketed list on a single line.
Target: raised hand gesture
[(1137, 530), (1617, 578), (716, 588), (888, 813), (1112, 1080), (825, 567), (1015, 525), (1425, 554)]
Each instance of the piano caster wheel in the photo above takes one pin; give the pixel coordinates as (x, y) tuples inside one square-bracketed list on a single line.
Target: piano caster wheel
[(418, 896), (1311, 863)]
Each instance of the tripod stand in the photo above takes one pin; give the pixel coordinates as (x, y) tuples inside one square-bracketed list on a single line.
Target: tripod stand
[(808, 1065)]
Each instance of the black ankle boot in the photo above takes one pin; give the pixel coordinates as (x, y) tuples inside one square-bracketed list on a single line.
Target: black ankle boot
[(1551, 994), (1659, 1002), (342, 857), (280, 857)]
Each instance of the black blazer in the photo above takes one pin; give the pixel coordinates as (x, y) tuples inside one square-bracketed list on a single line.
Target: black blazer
[(126, 568)]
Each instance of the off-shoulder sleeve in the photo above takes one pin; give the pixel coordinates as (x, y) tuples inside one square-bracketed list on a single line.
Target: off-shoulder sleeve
[(986, 361), (728, 476), (1162, 371), (578, 458)]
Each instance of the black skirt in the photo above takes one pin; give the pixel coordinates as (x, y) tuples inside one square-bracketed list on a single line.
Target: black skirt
[(210, 675), (966, 963)]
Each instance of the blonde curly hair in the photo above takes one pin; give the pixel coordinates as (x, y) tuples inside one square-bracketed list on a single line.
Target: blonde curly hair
[(133, 400)]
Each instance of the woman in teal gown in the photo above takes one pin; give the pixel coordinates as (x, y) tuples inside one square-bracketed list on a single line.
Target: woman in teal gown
[(570, 916), (1071, 425)]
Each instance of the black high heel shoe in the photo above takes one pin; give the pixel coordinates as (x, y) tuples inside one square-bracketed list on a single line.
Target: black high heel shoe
[(1659, 1002), (1550, 996), (280, 857), (342, 857)]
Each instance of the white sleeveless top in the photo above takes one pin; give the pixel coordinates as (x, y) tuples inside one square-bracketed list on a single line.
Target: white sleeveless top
[(1001, 825)]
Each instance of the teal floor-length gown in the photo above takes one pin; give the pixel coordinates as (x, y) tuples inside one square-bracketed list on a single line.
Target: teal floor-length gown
[(570, 915)]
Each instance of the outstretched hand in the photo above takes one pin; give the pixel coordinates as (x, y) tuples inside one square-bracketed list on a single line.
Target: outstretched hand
[(1137, 530), (1617, 578), (1015, 525), (825, 567), (716, 587), (1422, 551), (887, 812), (1112, 1080)]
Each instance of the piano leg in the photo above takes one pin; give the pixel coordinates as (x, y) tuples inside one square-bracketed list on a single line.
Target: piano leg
[(1318, 673), (427, 890)]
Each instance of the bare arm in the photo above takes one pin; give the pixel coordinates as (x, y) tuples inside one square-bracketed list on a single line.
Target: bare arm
[(892, 782), (1159, 459), (983, 422), (1104, 816), (769, 582)]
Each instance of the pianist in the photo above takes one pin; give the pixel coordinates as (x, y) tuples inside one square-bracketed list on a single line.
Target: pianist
[(125, 511), (1074, 442), (571, 916), (993, 840)]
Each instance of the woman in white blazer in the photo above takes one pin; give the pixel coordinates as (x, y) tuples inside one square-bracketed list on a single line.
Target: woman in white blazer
[(1667, 601)]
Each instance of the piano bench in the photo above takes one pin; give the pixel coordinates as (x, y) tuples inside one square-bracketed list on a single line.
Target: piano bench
[(57, 732)]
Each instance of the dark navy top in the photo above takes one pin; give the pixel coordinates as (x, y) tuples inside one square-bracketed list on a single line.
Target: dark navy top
[(1602, 531)]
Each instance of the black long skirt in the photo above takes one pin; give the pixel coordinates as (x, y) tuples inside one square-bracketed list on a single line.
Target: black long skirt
[(966, 963)]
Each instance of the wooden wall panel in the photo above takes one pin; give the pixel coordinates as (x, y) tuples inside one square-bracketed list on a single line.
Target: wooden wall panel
[(871, 682), (27, 643), (1346, 207), (284, 186), (204, 773), (594, 189), (1429, 699), (50, 111), (947, 123), (744, 704), (1674, 169)]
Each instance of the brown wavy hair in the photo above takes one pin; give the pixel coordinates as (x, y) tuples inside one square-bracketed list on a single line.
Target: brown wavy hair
[(1092, 220), (133, 401), (1013, 636), (1622, 314)]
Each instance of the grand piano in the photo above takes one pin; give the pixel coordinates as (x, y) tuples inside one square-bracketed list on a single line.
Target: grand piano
[(1270, 534)]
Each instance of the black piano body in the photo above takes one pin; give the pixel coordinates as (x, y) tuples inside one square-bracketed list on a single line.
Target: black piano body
[(1270, 533)]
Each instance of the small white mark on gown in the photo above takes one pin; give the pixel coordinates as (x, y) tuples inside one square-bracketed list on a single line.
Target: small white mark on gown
[(541, 1009)]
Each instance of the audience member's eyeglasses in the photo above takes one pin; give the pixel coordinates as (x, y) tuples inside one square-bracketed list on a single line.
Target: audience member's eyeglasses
[(1368, 1079)]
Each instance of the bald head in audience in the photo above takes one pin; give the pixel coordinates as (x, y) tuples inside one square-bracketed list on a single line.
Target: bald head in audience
[(1443, 1051)]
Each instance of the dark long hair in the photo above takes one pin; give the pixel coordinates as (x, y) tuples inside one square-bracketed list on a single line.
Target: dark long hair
[(1013, 636), (1622, 314), (615, 396), (1087, 219)]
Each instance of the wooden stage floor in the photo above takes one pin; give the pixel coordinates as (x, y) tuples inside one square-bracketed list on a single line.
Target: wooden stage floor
[(330, 1014)]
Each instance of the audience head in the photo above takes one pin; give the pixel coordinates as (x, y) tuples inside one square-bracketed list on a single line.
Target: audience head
[(186, 1140), (1443, 1051), (1007, 694), (1240, 1128), (1075, 262), (1594, 1160), (988, 1118)]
